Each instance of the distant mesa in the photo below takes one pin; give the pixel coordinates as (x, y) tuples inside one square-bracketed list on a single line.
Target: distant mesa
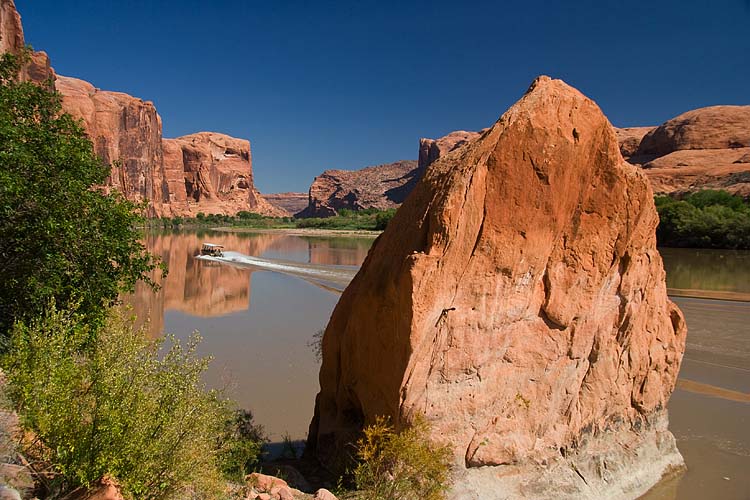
[(126, 132), (291, 203), (380, 187), (516, 300)]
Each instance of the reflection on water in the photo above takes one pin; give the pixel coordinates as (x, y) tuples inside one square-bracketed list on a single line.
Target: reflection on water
[(258, 326), (255, 324), (702, 269)]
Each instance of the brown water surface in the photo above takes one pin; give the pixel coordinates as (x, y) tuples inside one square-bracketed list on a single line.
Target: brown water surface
[(258, 325)]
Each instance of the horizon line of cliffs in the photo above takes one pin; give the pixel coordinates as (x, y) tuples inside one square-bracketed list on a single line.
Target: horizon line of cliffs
[(203, 172), (705, 148)]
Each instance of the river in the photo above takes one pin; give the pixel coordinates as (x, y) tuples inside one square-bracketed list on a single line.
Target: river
[(260, 327)]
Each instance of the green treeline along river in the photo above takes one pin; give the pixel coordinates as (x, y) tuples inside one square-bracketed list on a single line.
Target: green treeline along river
[(260, 327)]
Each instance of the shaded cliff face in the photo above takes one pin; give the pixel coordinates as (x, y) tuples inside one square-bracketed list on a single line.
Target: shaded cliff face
[(516, 299), (126, 133), (382, 187), (630, 138), (702, 149), (212, 173), (289, 202)]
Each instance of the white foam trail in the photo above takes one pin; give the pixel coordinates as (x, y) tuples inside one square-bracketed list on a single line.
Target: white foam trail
[(336, 277)]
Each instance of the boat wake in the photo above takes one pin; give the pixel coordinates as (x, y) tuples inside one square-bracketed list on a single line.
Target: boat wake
[(330, 277)]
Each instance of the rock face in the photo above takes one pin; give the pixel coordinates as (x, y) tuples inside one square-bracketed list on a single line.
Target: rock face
[(37, 69), (518, 301), (701, 149), (126, 133), (381, 187), (289, 202), (630, 138), (715, 127), (204, 172), (212, 173), (432, 149)]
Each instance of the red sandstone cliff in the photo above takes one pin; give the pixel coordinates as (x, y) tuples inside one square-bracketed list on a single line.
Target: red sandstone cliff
[(705, 148), (37, 68), (205, 172), (382, 187), (126, 133), (212, 173), (518, 301)]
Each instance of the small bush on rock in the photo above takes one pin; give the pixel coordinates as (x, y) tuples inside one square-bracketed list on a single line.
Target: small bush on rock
[(401, 465)]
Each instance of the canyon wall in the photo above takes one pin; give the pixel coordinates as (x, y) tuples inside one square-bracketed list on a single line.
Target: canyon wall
[(380, 187), (126, 133), (212, 173), (517, 301), (205, 172), (289, 202), (706, 148)]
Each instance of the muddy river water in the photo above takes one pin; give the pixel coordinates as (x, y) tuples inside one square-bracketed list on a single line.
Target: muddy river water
[(259, 326)]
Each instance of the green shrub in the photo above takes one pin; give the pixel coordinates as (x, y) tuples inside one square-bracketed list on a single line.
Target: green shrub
[(241, 445), (706, 219), (401, 465), (383, 218), (116, 404)]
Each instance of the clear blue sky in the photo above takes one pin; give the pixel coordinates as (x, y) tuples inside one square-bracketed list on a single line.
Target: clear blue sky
[(317, 85)]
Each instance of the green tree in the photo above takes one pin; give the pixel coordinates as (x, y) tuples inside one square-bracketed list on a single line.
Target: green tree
[(60, 237)]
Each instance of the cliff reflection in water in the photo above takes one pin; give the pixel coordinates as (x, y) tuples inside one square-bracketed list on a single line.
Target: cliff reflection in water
[(206, 289)]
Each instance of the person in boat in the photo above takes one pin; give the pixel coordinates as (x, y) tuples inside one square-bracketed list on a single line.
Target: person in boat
[(212, 249)]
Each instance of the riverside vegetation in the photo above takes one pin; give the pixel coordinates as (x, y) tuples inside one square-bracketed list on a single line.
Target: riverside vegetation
[(365, 220), (705, 219), (95, 397)]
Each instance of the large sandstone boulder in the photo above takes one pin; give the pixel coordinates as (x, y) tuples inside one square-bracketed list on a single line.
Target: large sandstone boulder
[(381, 187), (518, 301), (126, 133), (212, 173)]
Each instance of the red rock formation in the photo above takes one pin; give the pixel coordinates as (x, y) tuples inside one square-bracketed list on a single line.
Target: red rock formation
[(289, 202), (212, 173), (381, 187), (715, 127), (126, 133), (37, 68), (701, 149), (630, 138), (518, 301), (432, 149)]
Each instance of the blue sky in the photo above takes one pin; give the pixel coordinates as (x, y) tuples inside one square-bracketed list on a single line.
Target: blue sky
[(318, 85)]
